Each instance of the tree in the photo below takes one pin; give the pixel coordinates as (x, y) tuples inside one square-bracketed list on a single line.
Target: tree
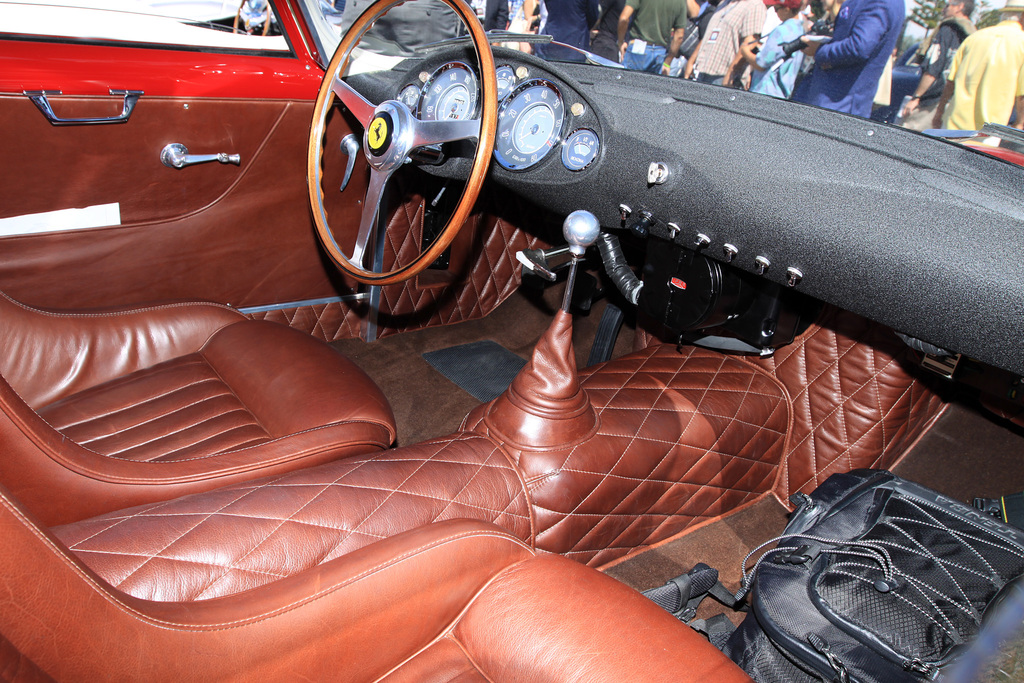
[(987, 15), (928, 13)]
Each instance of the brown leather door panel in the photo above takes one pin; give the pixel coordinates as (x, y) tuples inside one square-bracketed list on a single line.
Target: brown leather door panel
[(235, 234)]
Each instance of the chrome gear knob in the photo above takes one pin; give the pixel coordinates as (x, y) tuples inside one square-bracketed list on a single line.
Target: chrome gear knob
[(580, 230)]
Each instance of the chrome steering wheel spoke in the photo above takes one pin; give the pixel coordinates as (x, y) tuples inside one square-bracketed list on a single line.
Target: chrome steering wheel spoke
[(437, 132), (360, 107), (368, 219)]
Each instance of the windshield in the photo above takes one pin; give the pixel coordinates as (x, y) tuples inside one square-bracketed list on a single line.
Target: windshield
[(808, 51), (215, 25)]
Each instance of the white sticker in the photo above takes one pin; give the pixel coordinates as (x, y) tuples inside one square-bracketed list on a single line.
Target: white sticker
[(97, 216)]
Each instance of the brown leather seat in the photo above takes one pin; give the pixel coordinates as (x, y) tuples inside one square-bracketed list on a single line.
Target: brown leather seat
[(453, 600), (106, 409)]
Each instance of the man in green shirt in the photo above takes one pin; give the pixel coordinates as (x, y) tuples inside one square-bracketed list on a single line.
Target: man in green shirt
[(656, 33)]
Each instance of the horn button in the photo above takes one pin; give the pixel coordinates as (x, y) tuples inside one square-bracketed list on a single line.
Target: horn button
[(387, 141)]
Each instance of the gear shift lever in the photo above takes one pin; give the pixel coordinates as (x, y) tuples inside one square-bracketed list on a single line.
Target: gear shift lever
[(545, 406), (580, 230)]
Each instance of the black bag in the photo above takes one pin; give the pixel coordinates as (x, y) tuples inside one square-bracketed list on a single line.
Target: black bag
[(874, 579)]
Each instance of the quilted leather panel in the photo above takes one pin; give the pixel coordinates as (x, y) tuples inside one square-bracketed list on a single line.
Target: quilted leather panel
[(492, 275), (180, 408), (856, 400), (682, 437), (328, 322), (239, 537)]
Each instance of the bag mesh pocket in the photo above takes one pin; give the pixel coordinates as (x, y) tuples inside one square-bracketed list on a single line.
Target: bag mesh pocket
[(919, 579)]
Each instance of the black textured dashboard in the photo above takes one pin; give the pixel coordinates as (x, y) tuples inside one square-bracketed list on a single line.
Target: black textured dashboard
[(924, 236)]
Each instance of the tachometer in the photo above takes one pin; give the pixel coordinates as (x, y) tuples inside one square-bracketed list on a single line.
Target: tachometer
[(529, 124), (449, 93)]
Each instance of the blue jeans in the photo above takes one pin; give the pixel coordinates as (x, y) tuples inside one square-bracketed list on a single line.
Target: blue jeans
[(651, 60)]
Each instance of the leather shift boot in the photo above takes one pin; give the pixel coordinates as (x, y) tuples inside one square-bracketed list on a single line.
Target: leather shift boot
[(545, 407)]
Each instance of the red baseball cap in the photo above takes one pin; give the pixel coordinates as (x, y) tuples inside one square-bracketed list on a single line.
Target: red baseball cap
[(791, 4)]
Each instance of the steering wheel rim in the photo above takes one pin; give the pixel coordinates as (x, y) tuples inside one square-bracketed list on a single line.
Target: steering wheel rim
[(388, 154)]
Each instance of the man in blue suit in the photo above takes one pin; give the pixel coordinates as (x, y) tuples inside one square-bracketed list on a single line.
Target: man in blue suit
[(847, 68)]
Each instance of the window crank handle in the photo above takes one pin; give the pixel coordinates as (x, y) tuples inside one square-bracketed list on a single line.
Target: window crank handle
[(175, 155)]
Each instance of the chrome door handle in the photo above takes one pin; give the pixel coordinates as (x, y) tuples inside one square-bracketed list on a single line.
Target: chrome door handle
[(39, 98), (175, 155)]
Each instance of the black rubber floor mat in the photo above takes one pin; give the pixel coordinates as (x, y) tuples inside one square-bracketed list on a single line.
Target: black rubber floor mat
[(484, 369)]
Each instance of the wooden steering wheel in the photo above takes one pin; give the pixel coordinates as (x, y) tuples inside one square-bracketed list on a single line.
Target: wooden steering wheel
[(390, 133)]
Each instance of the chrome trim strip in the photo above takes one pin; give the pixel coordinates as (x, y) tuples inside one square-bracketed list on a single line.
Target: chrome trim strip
[(307, 302)]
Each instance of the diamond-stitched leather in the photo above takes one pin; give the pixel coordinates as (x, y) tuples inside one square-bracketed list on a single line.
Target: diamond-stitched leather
[(239, 537), (681, 438), (329, 322), (490, 277), (856, 400), (493, 274), (181, 408), (856, 403)]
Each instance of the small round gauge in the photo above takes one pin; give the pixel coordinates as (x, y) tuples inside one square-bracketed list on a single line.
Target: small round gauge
[(529, 124), (409, 96), (580, 149), (506, 76), (449, 93)]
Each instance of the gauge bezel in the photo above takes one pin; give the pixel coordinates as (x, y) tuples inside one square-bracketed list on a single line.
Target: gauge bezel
[(416, 105), (514, 79), (504, 106), (440, 71), (569, 137)]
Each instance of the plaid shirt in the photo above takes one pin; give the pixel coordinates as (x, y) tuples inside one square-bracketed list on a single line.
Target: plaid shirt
[(728, 26)]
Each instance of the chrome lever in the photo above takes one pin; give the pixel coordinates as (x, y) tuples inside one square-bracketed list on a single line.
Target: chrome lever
[(537, 261), (175, 155), (350, 147)]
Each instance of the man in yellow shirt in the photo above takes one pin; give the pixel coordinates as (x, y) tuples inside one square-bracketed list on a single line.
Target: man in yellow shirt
[(986, 79)]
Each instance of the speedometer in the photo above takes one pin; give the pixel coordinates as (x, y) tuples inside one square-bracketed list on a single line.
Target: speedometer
[(529, 124), (449, 93)]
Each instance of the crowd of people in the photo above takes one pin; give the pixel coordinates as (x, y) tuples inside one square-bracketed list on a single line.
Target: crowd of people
[(840, 59)]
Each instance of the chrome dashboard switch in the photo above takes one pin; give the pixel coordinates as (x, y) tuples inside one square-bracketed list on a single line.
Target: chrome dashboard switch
[(657, 173)]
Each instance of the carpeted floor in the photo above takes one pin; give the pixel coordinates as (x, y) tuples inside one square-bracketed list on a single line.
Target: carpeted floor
[(968, 453), (722, 544)]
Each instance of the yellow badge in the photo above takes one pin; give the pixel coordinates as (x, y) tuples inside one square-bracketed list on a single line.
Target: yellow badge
[(378, 133)]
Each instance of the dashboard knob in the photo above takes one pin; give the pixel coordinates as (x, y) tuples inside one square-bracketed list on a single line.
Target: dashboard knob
[(580, 230)]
